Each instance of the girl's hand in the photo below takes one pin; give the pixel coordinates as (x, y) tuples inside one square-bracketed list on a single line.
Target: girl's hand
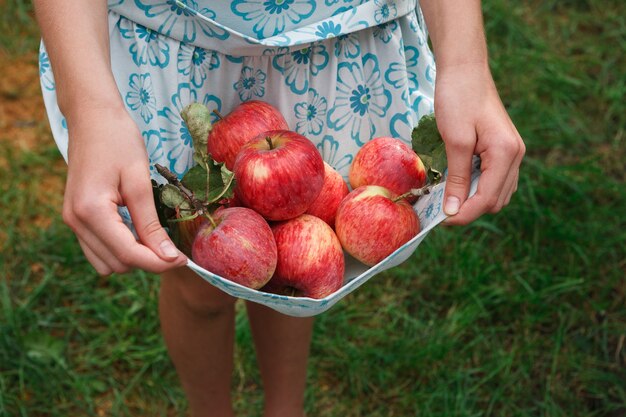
[(107, 167), (473, 121)]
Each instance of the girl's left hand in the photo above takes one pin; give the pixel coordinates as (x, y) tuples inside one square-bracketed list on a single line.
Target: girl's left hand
[(473, 121)]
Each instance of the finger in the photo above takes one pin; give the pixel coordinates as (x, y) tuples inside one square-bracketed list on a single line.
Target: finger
[(98, 249), (460, 152), (138, 196), (103, 221), (98, 264), (507, 191), (512, 188), (495, 166), (511, 191), (95, 250)]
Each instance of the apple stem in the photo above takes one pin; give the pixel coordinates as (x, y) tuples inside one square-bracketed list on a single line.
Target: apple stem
[(269, 142), (218, 114), (414, 192), (210, 218)]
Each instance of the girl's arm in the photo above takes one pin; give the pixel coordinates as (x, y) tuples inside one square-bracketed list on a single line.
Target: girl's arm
[(470, 115), (107, 159)]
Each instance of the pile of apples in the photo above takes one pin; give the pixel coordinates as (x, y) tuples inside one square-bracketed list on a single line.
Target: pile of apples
[(293, 215)]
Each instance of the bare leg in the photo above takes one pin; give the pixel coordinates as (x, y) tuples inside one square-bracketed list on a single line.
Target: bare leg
[(282, 346), (197, 321)]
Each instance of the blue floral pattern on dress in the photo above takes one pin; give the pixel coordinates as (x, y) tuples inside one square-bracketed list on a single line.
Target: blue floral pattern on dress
[(250, 84), (271, 17), (298, 66), (45, 73), (360, 98), (401, 79), (182, 14), (347, 46), (141, 96), (386, 10), (174, 131), (384, 31), (311, 114), (196, 63), (148, 47), (152, 139), (328, 30), (329, 148), (401, 125), (213, 102)]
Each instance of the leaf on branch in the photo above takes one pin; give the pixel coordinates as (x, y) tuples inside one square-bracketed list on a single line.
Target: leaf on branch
[(429, 145), (171, 196), (164, 212), (195, 181)]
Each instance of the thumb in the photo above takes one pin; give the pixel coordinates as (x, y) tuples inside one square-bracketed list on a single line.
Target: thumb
[(140, 202), (459, 153)]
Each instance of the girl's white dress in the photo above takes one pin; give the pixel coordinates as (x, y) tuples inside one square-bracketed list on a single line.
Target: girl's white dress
[(341, 72)]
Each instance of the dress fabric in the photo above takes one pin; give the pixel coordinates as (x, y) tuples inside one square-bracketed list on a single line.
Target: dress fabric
[(341, 71)]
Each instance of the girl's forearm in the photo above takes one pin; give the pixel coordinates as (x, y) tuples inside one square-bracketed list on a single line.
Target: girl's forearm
[(76, 36), (456, 31)]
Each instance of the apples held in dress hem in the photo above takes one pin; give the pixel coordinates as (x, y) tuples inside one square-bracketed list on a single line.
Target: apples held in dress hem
[(310, 259), (229, 134), (279, 174), (389, 163), (240, 247), (372, 223)]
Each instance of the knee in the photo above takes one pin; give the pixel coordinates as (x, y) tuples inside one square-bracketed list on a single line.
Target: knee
[(189, 291)]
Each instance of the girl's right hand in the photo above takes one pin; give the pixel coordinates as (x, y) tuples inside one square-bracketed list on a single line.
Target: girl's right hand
[(108, 167)]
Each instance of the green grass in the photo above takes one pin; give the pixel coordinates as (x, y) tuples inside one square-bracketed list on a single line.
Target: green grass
[(519, 314)]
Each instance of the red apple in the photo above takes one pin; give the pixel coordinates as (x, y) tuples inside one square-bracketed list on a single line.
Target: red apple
[(333, 191), (389, 163), (310, 259), (238, 127), (372, 222), (185, 232), (279, 174), (240, 247)]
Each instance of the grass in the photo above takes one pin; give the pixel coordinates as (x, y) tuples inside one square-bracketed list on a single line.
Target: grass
[(519, 314)]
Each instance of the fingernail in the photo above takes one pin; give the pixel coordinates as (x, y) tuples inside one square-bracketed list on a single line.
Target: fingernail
[(452, 206), (168, 249)]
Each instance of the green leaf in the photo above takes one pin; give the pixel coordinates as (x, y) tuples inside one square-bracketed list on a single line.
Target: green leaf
[(195, 180), (226, 179), (171, 196), (164, 212), (429, 145), (210, 182)]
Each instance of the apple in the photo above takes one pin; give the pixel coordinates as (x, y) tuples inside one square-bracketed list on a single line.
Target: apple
[(238, 127), (184, 232), (279, 174), (238, 245), (310, 258), (333, 191), (372, 222), (387, 162)]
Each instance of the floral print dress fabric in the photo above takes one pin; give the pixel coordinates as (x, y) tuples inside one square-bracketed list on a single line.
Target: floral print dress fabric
[(341, 71)]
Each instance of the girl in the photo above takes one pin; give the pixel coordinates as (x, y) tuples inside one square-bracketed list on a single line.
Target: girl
[(341, 71)]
